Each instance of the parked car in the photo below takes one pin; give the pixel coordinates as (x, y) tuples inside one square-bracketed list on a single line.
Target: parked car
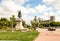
[(51, 29)]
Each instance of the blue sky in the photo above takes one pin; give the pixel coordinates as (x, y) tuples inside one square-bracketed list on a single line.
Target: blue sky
[(30, 8), (34, 3)]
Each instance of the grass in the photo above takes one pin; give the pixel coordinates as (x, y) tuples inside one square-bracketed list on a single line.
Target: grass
[(18, 36)]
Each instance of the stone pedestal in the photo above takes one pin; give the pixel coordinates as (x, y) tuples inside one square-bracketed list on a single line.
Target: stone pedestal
[(19, 24)]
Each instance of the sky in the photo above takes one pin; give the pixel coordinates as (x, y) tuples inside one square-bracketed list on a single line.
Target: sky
[(30, 8)]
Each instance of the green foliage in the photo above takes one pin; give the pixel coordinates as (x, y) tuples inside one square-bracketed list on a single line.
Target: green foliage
[(4, 22), (45, 24), (40, 26), (13, 18), (35, 19), (23, 23), (13, 21), (54, 23), (38, 23), (34, 23)]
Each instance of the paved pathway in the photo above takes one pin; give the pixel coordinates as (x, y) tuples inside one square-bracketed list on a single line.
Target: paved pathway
[(47, 35)]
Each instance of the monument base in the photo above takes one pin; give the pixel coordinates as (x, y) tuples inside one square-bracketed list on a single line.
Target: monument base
[(24, 30), (19, 27), (19, 24)]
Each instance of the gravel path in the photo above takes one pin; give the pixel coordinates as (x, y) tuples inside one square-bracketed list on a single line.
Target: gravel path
[(47, 35)]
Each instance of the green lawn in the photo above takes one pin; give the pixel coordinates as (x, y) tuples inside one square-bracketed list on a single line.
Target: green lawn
[(18, 36)]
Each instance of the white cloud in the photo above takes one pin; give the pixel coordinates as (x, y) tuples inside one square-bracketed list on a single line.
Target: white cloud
[(46, 15), (56, 3), (49, 8), (27, 18), (28, 5), (21, 1), (48, 0), (10, 7), (40, 8), (32, 10), (57, 18), (52, 14)]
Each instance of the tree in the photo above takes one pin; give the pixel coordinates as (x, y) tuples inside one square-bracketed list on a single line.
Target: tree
[(34, 23), (13, 20), (35, 19), (45, 24), (39, 20), (3, 22), (55, 24), (23, 23)]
